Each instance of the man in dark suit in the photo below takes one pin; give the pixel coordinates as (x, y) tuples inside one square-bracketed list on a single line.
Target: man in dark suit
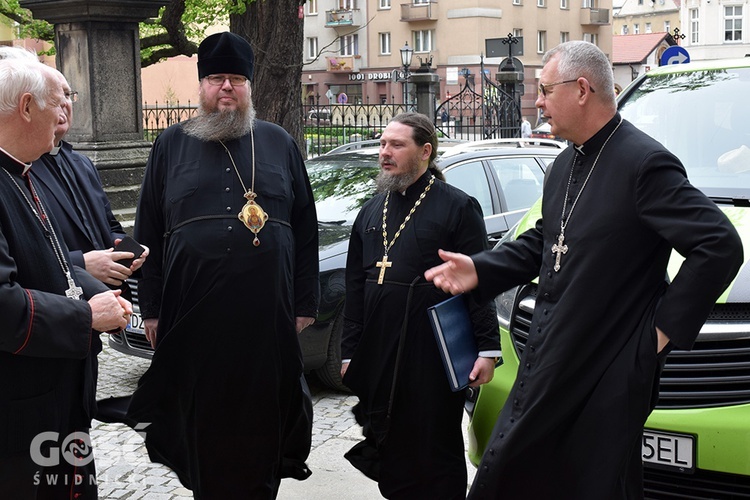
[(50, 309), (73, 190)]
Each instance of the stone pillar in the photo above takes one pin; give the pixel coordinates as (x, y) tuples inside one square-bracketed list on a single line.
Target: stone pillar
[(98, 51), (427, 84)]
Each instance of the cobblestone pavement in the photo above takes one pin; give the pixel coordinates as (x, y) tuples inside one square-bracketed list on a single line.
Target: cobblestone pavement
[(125, 472)]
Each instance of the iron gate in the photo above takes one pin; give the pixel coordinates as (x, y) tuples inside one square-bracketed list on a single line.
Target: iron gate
[(485, 113)]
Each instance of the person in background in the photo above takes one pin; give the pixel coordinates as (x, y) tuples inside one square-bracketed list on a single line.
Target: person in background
[(410, 417), (51, 309), (228, 213), (75, 195), (525, 128), (615, 206)]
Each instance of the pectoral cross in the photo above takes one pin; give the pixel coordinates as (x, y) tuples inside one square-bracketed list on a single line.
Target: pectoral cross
[(73, 292), (383, 264), (559, 248)]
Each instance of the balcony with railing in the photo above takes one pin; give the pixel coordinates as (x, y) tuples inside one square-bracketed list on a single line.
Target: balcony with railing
[(343, 17), (344, 64), (594, 16), (411, 12)]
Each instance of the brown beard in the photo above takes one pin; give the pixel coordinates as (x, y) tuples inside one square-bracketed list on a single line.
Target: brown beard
[(217, 125), (398, 182)]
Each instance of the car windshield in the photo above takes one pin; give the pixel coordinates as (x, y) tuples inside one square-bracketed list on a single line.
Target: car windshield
[(341, 184), (711, 105)]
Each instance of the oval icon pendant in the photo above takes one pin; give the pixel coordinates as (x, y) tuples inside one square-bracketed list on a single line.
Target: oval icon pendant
[(254, 218)]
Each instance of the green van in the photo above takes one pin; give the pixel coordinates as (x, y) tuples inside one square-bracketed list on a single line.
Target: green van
[(696, 443)]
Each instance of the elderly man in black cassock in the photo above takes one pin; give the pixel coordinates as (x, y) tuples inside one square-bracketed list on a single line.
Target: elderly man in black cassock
[(411, 418), (51, 311), (227, 211), (616, 203), (76, 197)]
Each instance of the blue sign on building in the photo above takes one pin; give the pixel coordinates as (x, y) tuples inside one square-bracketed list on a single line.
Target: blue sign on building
[(674, 55)]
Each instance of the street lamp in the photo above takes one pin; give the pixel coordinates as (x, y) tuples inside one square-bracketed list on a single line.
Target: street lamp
[(406, 55)]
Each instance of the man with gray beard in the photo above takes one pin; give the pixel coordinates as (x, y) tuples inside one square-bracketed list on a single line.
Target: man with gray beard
[(410, 417), (227, 211)]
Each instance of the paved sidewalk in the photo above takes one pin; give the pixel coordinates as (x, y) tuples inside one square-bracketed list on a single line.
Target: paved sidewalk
[(125, 472)]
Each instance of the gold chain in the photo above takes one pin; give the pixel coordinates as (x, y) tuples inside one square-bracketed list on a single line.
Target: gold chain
[(386, 245)]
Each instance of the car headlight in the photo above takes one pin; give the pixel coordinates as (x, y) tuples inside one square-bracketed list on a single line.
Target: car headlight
[(504, 303)]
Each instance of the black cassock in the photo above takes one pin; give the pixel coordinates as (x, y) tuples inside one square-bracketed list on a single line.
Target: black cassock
[(589, 375), (421, 452), (48, 351), (221, 399)]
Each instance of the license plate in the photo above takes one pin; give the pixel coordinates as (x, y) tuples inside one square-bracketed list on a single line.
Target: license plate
[(669, 451), (136, 322)]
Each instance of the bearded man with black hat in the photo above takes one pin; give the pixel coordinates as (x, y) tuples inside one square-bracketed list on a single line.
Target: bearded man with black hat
[(227, 211)]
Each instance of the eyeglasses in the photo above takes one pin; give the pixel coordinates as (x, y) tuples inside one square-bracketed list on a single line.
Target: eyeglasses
[(544, 88), (235, 80), (71, 96)]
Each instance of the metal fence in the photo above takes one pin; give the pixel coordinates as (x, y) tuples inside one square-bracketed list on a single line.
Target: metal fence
[(481, 112), (157, 117)]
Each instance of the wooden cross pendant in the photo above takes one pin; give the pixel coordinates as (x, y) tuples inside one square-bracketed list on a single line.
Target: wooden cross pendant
[(383, 264), (559, 248)]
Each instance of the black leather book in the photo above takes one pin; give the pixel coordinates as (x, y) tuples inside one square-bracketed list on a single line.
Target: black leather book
[(454, 333)]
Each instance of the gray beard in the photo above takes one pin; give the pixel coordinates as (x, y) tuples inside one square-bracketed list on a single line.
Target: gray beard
[(220, 125)]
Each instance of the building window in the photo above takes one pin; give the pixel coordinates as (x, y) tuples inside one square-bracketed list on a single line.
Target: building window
[(640, 2), (385, 44), (667, 26), (733, 23), (312, 7), (385, 4), (624, 29), (694, 25), (516, 2), (564, 4), (541, 42), (423, 40), (347, 4), (564, 36), (349, 45), (591, 38), (587, 4), (540, 3), (312, 48), (648, 27), (636, 28), (517, 32), (421, 2)]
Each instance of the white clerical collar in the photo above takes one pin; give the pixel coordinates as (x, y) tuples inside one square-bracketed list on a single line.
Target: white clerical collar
[(55, 150), (26, 166)]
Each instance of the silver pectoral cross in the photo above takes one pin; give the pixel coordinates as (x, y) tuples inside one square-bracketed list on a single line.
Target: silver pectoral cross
[(383, 264), (559, 248), (73, 292)]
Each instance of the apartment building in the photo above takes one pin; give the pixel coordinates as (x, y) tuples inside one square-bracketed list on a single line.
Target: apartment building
[(352, 47), (638, 17)]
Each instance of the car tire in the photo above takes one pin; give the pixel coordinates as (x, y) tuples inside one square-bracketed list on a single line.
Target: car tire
[(330, 372)]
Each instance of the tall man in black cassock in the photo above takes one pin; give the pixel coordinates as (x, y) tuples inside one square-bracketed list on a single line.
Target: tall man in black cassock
[(51, 312), (615, 205), (413, 441), (225, 295)]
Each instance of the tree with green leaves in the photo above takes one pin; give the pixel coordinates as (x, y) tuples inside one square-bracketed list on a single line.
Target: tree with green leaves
[(273, 28)]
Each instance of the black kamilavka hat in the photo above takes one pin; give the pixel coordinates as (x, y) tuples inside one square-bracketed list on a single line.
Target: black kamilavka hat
[(225, 53)]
